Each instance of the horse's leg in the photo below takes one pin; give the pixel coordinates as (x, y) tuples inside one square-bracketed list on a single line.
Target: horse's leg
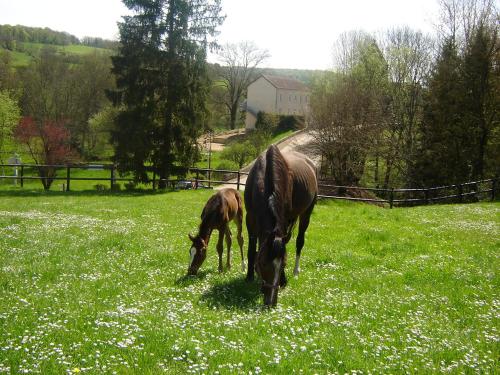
[(252, 246), (229, 241), (239, 224), (220, 247), (303, 224)]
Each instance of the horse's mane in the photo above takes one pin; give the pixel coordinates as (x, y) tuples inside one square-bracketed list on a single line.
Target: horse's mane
[(277, 183)]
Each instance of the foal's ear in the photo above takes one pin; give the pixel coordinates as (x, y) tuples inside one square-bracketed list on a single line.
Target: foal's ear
[(191, 237)]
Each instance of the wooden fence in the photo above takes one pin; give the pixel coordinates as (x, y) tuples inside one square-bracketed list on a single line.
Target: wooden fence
[(200, 178)]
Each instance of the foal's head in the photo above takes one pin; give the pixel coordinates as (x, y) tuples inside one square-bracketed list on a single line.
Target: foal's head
[(197, 254), (271, 261)]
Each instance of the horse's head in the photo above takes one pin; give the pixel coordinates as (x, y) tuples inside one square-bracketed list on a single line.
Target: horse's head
[(197, 254), (270, 264)]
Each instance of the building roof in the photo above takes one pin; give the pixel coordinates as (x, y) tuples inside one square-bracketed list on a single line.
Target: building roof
[(285, 83)]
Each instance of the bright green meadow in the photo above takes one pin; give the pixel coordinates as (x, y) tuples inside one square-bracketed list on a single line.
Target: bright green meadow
[(94, 282)]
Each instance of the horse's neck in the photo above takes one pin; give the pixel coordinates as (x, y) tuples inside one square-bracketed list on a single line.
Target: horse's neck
[(206, 229)]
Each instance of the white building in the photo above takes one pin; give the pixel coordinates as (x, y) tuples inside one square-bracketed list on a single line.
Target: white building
[(277, 95)]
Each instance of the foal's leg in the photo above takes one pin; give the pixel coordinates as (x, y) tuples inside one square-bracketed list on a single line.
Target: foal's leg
[(239, 224), (303, 224), (220, 247), (229, 241)]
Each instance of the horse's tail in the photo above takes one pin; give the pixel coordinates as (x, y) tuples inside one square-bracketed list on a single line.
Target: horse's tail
[(277, 187)]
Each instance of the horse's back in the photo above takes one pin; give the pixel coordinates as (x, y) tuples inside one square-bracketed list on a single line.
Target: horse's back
[(305, 184)]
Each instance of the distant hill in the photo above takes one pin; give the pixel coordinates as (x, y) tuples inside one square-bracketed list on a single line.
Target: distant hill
[(24, 43)]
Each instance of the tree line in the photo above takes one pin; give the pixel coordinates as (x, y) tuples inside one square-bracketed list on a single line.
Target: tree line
[(13, 37), (400, 108), (404, 109)]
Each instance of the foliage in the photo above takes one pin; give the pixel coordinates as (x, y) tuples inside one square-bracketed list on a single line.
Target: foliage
[(56, 91), (240, 62), (408, 290), (289, 122), (240, 153), (162, 83), (48, 144), (11, 35), (461, 113), (347, 108), (9, 118), (100, 126), (266, 122)]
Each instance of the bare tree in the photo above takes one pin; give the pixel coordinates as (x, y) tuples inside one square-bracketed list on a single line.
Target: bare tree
[(460, 19), (408, 55), (239, 63), (347, 107)]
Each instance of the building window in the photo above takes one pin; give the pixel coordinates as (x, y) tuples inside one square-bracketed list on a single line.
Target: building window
[(295, 97)]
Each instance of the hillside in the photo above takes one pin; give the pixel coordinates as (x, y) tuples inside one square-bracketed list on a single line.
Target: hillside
[(23, 43)]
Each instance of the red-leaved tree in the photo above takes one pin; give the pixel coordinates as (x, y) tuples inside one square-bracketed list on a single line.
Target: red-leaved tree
[(48, 144)]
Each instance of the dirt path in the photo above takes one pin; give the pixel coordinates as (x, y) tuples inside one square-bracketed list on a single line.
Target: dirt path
[(299, 142)]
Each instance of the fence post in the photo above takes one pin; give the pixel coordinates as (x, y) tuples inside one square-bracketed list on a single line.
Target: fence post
[(493, 186), (112, 177), (391, 198), (238, 183), (197, 177), (22, 175), (460, 193), (426, 196), (154, 179), (68, 176), (209, 177)]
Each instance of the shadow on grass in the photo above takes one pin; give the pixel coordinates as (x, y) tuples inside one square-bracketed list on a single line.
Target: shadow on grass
[(188, 280), (234, 294)]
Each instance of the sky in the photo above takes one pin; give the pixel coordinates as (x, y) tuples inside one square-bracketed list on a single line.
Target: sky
[(298, 34)]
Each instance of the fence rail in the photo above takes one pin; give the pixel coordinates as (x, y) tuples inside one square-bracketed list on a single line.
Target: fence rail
[(387, 196)]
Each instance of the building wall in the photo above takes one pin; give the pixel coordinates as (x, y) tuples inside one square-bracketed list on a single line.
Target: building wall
[(292, 102), (261, 96)]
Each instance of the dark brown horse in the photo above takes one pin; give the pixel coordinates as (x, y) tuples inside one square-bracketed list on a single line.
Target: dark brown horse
[(220, 209), (280, 189)]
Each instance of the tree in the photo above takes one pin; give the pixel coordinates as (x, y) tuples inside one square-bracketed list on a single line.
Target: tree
[(444, 150), (162, 83), (347, 108), (9, 118), (92, 78), (48, 88), (48, 143), (481, 95), (240, 153), (409, 56), (99, 130), (238, 70)]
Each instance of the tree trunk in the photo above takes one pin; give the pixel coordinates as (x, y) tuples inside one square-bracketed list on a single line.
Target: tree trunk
[(233, 114)]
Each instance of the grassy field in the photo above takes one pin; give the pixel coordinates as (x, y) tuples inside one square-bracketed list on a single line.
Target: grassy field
[(94, 282), (22, 59)]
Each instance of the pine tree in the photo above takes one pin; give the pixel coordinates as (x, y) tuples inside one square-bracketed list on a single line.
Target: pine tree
[(162, 83), (444, 150)]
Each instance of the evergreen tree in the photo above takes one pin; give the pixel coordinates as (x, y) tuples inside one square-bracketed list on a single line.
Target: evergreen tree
[(480, 94), (162, 83), (444, 149)]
